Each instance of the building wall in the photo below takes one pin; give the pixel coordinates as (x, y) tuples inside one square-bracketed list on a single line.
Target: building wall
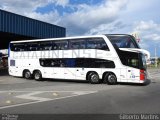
[(17, 24)]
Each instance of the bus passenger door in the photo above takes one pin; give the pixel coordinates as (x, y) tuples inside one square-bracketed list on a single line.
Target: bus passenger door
[(69, 70), (80, 69), (69, 73), (80, 73)]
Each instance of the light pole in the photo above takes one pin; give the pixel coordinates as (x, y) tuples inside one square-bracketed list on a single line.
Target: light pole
[(155, 56)]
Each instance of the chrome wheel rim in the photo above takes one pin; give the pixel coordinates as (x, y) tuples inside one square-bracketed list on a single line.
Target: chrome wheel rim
[(111, 79), (37, 76), (27, 75), (94, 78)]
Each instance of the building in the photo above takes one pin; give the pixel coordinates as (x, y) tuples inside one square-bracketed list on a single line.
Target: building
[(15, 27)]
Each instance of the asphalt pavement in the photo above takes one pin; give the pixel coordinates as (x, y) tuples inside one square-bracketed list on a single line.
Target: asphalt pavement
[(21, 96)]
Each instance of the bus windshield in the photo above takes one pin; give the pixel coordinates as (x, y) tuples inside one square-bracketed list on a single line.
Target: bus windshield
[(123, 41), (144, 63), (132, 59)]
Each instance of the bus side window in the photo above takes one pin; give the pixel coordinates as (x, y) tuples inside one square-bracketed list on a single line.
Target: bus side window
[(12, 47), (78, 44), (55, 46), (60, 45), (64, 45), (47, 45), (97, 43), (32, 46), (69, 62), (18, 47)]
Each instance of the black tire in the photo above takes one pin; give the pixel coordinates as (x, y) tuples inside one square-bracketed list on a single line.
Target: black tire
[(27, 74), (93, 78), (110, 79), (37, 75)]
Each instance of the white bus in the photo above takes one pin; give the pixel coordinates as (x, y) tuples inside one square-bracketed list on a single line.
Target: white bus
[(108, 58)]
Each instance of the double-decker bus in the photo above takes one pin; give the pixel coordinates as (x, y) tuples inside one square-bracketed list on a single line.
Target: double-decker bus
[(107, 58)]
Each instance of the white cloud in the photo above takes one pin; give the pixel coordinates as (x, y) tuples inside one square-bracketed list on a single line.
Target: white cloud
[(22, 7), (144, 45), (84, 20), (107, 28), (146, 25), (90, 17), (62, 2), (153, 36), (27, 7), (149, 30), (149, 33)]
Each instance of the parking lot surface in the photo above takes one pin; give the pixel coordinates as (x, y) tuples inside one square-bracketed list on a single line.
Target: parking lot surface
[(21, 96)]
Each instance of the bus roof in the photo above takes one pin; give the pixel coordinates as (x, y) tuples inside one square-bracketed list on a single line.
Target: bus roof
[(62, 38), (65, 38)]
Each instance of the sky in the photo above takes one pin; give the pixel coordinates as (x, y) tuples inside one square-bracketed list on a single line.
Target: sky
[(91, 17)]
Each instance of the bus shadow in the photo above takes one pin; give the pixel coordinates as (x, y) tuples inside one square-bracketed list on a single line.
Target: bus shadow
[(66, 81), (148, 81), (3, 71)]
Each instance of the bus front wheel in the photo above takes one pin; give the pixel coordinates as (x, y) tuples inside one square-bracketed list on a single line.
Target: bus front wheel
[(37, 75), (110, 79), (93, 78)]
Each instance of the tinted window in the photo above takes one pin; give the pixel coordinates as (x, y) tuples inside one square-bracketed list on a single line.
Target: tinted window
[(17, 47), (77, 62), (143, 64), (33, 46), (131, 59), (52, 62), (60, 45), (77, 44), (124, 41), (45, 45), (133, 62), (98, 63), (12, 62), (70, 62), (97, 43)]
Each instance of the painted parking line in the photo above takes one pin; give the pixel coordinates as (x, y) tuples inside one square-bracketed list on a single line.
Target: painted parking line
[(31, 96)]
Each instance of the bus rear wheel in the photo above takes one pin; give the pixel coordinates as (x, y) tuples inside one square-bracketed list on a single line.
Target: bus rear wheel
[(110, 79), (93, 78), (27, 74), (37, 75)]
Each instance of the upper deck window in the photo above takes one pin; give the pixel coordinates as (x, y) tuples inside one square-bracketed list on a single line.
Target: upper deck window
[(123, 41), (97, 43)]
